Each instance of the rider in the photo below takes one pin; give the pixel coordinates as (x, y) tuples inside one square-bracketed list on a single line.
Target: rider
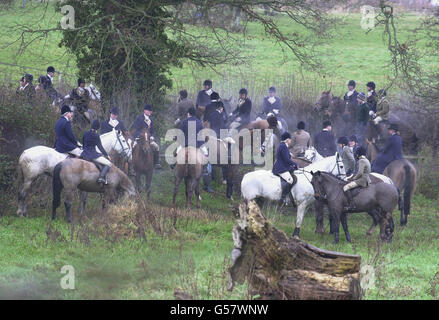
[(301, 140), (392, 150), (211, 107), (324, 141), (91, 140), (113, 122), (272, 103), (203, 98), (242, 112), (144, 121), (347, 155), (48, 84), (371, 96), (353, 144), (383, 108), (350, 97), (198, 144), (361, 179), (183, 105), (363, 109), (284, 165), (216, 119), (27, 89), (80, 98), (66, 141)]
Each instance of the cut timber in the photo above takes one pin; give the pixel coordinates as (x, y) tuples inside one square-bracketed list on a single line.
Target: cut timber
[(278, 267)]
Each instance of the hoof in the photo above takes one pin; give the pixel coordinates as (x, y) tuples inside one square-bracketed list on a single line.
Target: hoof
[(296, 237), (296, 233)]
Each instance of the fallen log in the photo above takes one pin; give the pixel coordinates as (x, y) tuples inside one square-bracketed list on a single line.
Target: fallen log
[(278, 267)]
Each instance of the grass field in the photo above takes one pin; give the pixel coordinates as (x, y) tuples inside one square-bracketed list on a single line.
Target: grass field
[(194, 253)]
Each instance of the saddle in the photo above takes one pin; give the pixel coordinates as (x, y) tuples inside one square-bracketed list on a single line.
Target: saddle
[(357, 190), (98, 165)]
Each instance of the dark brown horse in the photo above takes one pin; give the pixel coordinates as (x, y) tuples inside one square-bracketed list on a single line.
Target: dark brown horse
[(74, 173), (189, 167), (378, 200), (143, 161), (336, 110), (403, 174)]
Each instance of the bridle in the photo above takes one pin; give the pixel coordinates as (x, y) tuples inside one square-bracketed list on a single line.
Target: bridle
[(124, 152)]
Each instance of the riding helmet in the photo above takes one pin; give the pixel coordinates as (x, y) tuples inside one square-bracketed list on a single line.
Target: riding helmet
[(65, 108), (301, 125), (352, 83), (29, 77), (191, 111), (214, 96), (343, 140), (272, 89), (286, 135), (183, 94), (353, 138), (360, 151), (393, 126), (95, 125), (115, 110), (80, 81), (243, 91), (148, 107), (207, 83), (326, 123), (50, 69), (382, 93), (219, 104), (371, 85)]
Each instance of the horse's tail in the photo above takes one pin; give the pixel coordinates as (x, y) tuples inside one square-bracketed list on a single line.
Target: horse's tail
[(57, 186), (407, 188)]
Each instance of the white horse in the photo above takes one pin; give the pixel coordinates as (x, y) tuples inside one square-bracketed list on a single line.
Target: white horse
[(94, 93), (264, 184), (37, 160)]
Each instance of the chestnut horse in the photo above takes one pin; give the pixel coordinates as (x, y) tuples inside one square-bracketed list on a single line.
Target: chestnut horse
[(143, 161)]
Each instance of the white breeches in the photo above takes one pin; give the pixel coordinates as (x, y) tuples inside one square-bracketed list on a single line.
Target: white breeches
[(104, 161), (287, 177), (349, 186), (377, 120), (235, 125), (76, 152)]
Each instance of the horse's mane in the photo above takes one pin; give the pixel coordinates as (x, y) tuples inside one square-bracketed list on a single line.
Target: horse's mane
[(337, 179), (312, 166), (107, 133)]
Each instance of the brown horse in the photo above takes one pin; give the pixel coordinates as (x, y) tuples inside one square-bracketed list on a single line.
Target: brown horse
[(143, 161), (122, 160), (403, 174), (74, 173), (189, 167), (336, 110)]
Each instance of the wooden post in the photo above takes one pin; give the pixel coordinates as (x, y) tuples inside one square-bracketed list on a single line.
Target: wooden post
[(278, 267)]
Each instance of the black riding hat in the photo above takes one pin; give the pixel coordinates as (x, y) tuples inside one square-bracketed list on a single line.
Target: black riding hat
[(393, 126), (353, 138), (95, 125), (301, 125), (29, 77), (371, 84), (50, 69), (214, 96), (148, 107), (360, 151), (219, 104), (352, 83), (243, 91), (272, 89), (191, 111), (115, 110), (65, 108), (80, 81), (343, 140), (207, 83), (326, 123), (286, 135)]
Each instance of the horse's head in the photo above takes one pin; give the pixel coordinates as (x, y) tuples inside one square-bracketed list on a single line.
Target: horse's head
[(144, 140), (317, 184), (310, 154), (124, 142), (94, 93), (338, 169), (272, 121)]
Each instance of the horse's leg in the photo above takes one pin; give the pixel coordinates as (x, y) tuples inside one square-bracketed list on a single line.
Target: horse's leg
[(68, 205), (148, 179), (300, 213), (319, 217), (139, 182), (197, 192), (83, 200), (374, 222), (189, 191), (344, 223), (22, 194), (177, 183), (336, 225)]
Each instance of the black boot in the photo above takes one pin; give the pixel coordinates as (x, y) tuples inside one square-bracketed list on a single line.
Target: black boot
[(350, 205), (104, 172), (206, 180), (157, 164), (286, 187)]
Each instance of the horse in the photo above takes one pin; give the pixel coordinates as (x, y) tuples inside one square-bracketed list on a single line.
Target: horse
[(378, 200), (189, 166), (38, 160), (264, 184), (403, 174), (341, 114), (74, 173), (143, 161)]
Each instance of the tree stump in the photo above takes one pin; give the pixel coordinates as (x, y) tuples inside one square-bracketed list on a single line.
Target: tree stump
[(278, 267)]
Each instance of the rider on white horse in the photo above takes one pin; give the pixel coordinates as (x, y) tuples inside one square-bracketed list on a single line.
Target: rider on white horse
[(66, 141), (284, 165)]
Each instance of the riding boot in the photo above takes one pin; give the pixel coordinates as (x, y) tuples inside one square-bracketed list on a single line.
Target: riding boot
[(157, 164), (104, 172), (206, 180), (350, 205), (286, 187)]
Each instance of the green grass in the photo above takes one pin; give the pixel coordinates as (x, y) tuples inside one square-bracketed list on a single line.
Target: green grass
[(196, 254)]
